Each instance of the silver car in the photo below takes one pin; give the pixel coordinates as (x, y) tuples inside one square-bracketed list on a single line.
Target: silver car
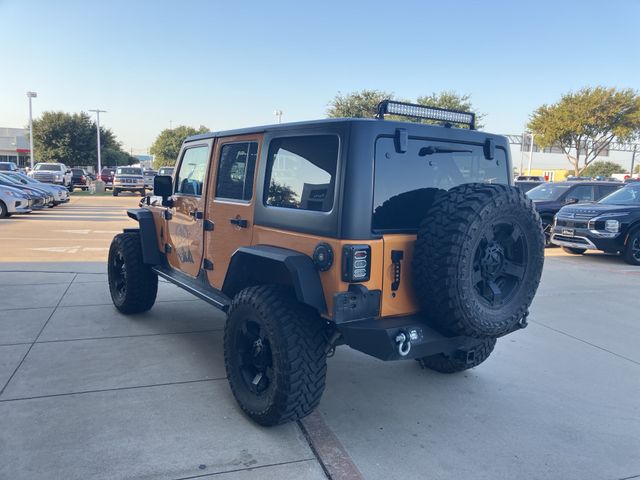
[(13, 200)]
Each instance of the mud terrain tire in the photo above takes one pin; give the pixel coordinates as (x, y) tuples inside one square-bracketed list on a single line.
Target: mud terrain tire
[(132, 284), (478, 260), (274, 355)]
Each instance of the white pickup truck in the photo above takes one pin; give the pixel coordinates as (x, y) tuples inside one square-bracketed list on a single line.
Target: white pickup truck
[(57, 173)]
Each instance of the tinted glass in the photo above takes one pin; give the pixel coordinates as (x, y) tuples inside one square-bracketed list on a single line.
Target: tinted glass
[(584, 193), (301, 172), (50, 167), (607, 189), (547, 191), (236, 170), (625, 196), (406, 184), (193, 169)]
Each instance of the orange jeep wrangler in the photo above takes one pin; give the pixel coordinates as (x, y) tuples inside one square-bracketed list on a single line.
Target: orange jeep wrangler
[(403, 240)]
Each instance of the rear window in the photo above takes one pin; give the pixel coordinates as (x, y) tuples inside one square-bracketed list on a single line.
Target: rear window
[(406, 184), (301, 172)]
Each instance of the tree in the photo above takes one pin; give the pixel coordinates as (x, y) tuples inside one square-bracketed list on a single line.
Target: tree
[(637, 169), (583, 124), (167, 144), (603, 169), (364, 104), (70, 138)]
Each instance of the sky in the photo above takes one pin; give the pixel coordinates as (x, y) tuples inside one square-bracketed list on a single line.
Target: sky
[(153, 64)]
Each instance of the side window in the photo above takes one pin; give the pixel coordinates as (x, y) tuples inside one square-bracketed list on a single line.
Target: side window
[(190, 177), (236, 169), (301, 172), (606, 190), (584, 193)]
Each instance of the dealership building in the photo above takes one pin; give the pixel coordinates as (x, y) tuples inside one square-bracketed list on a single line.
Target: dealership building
[(14, 146)]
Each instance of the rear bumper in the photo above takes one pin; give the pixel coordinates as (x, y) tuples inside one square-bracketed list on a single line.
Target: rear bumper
[(380, 338)]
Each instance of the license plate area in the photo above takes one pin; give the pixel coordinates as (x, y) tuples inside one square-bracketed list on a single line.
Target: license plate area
[(568, 232)]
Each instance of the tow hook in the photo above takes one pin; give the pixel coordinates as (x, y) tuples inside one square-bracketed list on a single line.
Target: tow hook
[(404, 344)]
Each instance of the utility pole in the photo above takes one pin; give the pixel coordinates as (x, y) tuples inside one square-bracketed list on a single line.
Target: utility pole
[(530, 153), (278, 113), (31, 95), (98, 112), (633, 159)]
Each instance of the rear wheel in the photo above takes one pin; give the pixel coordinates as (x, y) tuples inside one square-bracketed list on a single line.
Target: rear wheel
[(631, 253), (574, 251), (274, 354), (132, 284), (115, 192), (462, 359), (142, 192)]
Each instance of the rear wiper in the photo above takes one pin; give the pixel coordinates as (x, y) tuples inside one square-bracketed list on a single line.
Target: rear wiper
[(430, 150)]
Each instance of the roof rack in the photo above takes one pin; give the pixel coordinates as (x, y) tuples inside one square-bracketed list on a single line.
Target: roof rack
[(413, 110)]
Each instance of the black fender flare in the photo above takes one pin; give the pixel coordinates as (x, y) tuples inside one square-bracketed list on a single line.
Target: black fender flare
[(261, 264), (150, 253)]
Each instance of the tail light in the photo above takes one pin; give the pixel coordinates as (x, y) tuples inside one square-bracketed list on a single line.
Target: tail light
[(356, 263)]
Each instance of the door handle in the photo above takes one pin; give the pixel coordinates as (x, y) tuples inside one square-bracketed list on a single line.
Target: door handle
[(197, 215), (239, 222)]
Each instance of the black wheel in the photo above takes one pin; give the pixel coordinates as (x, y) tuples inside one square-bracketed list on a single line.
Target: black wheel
[(115, 192), (574, 251), (478, 259), (133, 285), (70, 188), (274, 354), (631, 253), (142, 192), (4, 213), (462, 359)]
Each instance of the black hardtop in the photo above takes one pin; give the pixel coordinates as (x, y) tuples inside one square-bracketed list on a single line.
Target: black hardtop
[(375, 125)]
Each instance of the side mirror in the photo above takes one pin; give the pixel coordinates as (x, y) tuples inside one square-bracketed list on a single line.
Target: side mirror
[(571, 200), (163, 187)]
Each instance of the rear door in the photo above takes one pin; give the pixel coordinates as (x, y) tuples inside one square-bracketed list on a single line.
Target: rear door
[(231, 201), (185, 223)]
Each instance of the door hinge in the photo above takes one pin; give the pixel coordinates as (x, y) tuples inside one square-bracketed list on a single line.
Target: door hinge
[(208, 225), (396, 258), (167, 248), (207, 264)]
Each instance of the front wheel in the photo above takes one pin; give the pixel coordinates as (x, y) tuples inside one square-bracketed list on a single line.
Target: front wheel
[(4, 213), (631, 252), (462, 359), (574, 251), (132, 284), (274, 355), (115, 192)]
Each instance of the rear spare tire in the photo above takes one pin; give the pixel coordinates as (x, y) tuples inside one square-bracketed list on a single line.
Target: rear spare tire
[(478, 259)]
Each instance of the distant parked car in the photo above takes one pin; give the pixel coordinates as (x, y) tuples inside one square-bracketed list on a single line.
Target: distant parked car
[(13, 200), (149, 175), (551, 197), (128, 179), (166, 171), (79, 179), (9, 166), (611, 225), (60, 193), (106, 175), (56, 173), (526, 185), (39, 197)]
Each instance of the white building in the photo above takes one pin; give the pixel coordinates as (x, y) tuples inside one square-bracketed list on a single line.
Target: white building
[(14, 146)]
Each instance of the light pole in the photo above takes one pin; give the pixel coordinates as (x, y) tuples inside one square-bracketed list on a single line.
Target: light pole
[(278, 113), (31, 95), (530, 153), (98, 112)]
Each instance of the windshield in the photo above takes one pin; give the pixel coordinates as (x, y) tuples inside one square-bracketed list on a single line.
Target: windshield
[(150, 174), (7, 178), (624, 196), (547, 191), (128, 171), (49, 167), (405, 184)]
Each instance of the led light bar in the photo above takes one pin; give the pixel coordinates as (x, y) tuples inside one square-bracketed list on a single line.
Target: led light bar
[(390, 107)]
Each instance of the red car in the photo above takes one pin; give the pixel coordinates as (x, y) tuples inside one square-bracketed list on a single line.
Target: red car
[(106, 175)]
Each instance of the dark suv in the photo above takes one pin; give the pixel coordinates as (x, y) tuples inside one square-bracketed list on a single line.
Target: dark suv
[(551, 197), (611, 225), (79, 179), (402, 240)]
